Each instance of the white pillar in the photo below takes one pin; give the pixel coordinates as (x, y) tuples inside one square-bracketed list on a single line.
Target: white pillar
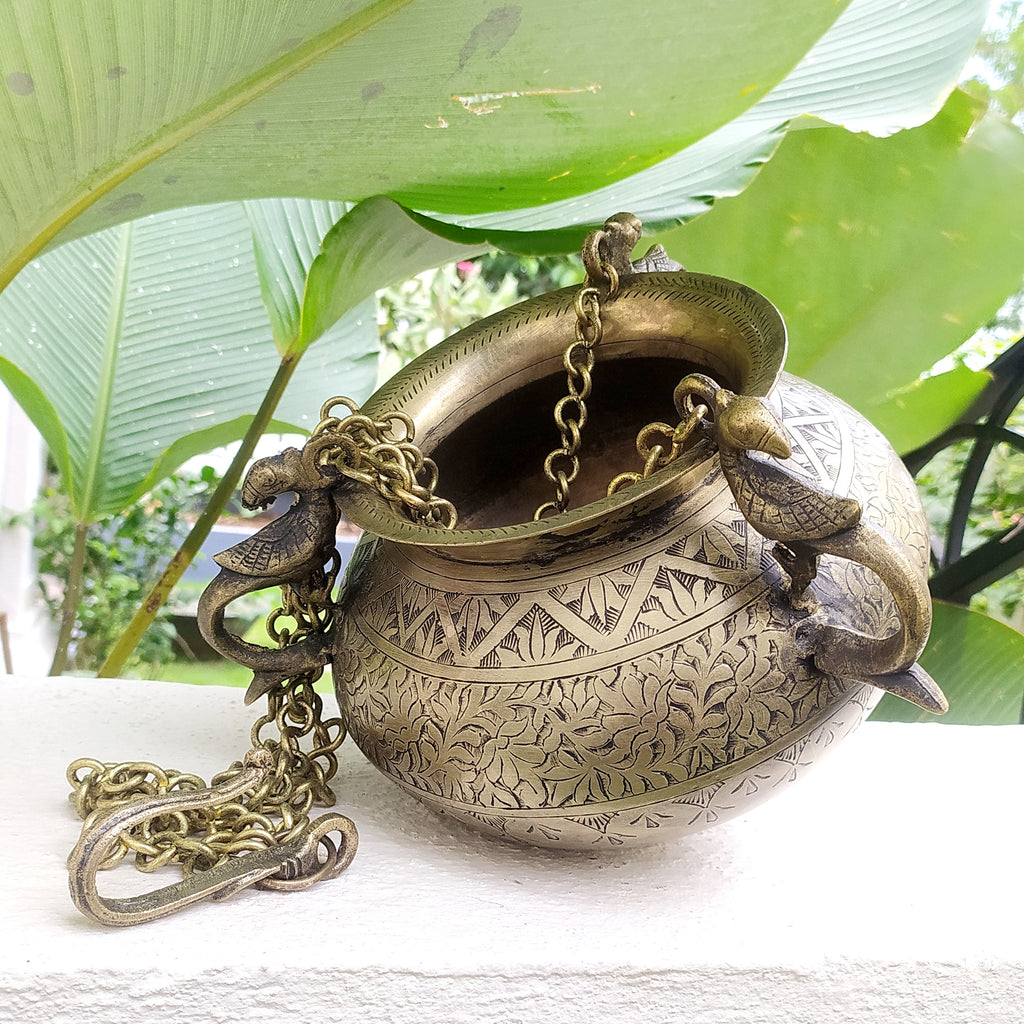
[(21, 474)]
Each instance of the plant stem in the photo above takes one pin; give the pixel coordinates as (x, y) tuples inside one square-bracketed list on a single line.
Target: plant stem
[(72, 595), (190, 546)]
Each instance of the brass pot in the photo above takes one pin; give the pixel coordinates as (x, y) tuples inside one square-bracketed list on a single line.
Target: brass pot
[(640, 663), (650, 652)]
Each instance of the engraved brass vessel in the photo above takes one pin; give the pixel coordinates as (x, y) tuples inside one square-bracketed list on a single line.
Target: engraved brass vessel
[(652, 660)]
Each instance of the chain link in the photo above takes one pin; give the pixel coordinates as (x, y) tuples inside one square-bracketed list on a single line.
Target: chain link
[(382, 454), (312, 610), (659, 454), (562, 465)]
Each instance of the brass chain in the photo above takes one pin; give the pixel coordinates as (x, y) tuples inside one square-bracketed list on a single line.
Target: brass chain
[(659, 454), (562, 465), (380, 453), (274, 812), (312, 611)]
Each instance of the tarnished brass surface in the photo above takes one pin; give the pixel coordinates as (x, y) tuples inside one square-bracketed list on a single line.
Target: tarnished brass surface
[(297, 551), (650, 674), (682, 638), (481, 401), (740, 573), (671, 648)]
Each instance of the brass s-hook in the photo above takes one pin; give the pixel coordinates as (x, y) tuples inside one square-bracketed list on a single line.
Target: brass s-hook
[(295, 864)]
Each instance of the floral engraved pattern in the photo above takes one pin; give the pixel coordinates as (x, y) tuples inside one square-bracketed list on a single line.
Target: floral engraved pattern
[(664, 719), (603, 706)]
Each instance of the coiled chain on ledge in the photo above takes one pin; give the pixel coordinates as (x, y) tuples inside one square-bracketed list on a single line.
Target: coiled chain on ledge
[(274, 812)]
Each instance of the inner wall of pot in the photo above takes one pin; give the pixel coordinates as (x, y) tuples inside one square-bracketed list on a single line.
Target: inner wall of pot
[(491, 467)]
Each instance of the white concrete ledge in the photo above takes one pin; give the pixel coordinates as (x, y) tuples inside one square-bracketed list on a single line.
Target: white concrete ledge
[(883, 887)]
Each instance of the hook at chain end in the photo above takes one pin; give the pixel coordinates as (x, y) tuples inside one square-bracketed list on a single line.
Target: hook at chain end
[(294, 864)]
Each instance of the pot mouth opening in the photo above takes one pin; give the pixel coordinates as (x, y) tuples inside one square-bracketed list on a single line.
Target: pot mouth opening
[(491, 466), (483, 404)]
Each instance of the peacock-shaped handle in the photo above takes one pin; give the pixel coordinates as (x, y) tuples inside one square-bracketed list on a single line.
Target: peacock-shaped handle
[(807, 522), (290, 551)]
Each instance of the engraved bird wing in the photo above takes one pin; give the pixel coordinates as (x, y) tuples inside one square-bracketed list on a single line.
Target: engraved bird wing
[(785, 507), (282, 546)]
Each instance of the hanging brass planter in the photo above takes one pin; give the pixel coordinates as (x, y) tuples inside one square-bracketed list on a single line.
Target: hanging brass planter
[(641, 631), (659, 658)]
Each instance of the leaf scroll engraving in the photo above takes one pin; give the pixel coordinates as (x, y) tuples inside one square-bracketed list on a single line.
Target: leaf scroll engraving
[(664, 689), (666, 718)]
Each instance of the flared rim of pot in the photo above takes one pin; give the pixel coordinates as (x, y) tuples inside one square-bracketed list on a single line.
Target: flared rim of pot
[(720, 327)]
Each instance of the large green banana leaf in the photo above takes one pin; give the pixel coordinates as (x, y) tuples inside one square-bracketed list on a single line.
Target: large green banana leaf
[(881, 67), (139, 346), (136, 347), (120, 108), (882, 254)]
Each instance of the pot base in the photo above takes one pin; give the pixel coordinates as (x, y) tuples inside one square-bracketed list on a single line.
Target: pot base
[(669, 814)]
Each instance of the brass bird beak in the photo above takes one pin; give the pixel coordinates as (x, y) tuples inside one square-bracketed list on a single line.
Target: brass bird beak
[(746, 423)]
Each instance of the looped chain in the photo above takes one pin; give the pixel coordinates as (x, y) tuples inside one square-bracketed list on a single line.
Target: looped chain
[(268, 798), (302, 761), (382, 454), (274, 812), (562, 465), (659, 445), (312, 609)]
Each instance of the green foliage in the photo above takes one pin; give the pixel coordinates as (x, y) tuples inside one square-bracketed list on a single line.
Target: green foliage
[(164, 324), (998, 506), (999, 59), (883, 255), (443, 104), (420, 312), (925, 408), (122, 556), (882, 66), (534, 275), (977, 662), (433, 305)]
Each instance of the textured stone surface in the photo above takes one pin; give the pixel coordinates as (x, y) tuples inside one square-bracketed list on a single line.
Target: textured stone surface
[(883, 887)]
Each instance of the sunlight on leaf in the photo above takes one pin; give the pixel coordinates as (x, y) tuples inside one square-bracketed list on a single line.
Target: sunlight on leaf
[(376, 244), (923, 410), (286, 236), (899, 245)]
